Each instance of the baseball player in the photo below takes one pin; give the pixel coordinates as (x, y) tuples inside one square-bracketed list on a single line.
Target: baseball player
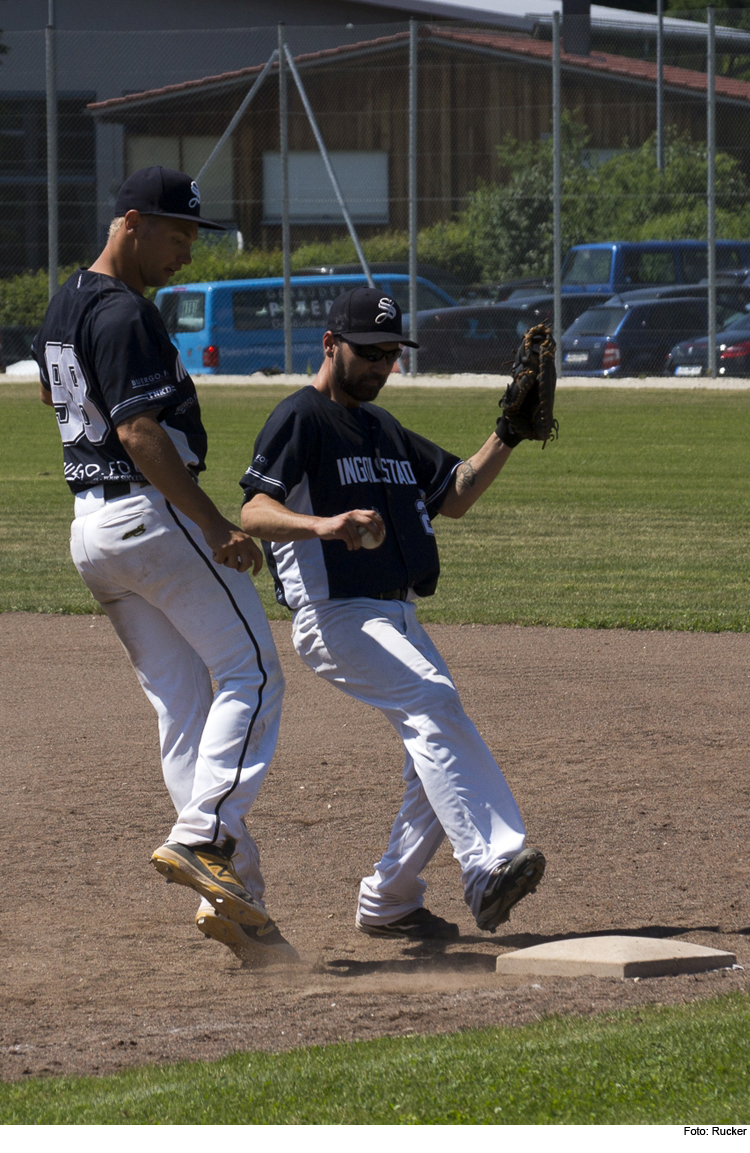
[(168, 569), (345, 498)]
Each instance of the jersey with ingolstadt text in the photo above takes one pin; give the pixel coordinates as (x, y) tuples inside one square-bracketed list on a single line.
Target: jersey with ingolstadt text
[(319, 458), (105, 356)]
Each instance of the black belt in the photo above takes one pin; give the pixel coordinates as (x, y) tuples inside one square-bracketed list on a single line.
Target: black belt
[(114, 488), (393, 595)]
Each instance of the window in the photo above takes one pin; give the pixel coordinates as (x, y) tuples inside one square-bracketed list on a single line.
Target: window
[(258, 308), (362, 177), (648, 267), (189, 154), (739, 320), (597, 322), (695, 261), (426, 297), (588, 266), (23, 183), (183, 311)]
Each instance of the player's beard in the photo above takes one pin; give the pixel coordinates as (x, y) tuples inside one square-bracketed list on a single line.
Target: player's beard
[(360, 386)]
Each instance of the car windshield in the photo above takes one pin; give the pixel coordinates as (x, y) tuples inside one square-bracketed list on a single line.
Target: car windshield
[(587, 266), (597, 322), (740, 320)]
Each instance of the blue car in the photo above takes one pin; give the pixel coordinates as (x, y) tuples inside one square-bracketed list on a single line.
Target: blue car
[(630, 339)]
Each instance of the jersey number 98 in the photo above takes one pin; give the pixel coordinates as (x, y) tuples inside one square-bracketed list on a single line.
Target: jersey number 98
[(76, 412)]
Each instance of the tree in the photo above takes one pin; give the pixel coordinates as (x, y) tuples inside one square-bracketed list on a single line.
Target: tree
[(511, 225), (625, 198)]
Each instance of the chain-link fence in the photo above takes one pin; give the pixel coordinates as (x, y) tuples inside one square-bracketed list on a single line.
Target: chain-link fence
[(522, 176)]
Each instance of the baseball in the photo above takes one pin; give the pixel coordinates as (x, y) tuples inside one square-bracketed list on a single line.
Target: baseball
[(369, 540)]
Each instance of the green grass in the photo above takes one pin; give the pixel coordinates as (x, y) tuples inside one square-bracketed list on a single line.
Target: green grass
[(649, 1066), (637, 517)]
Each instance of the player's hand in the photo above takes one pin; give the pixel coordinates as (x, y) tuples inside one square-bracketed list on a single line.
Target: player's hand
[(349, 526), (234, 548)]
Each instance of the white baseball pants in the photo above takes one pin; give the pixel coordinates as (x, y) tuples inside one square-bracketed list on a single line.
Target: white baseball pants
[(377, 652), (179, 615)]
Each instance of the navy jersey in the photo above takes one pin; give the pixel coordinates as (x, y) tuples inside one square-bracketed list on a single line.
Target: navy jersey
[(319, 458), (104, 354)]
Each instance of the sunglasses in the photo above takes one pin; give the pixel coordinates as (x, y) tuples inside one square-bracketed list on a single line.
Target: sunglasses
[(371, 353)]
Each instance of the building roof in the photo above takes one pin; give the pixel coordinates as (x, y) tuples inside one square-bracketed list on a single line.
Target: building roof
[(483, 41), (530, 15)]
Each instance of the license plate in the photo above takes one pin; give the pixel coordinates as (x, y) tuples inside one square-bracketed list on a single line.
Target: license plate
[(688, 370), (577, 358)]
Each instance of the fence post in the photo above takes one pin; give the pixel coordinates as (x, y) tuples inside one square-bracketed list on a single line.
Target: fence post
[(711, 189), (285, 228), (53, 233), (557, 189), (413, 325), (660, 84)]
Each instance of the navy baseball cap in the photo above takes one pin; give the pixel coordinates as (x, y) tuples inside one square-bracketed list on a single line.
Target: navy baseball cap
[(161, 191), (367, 316)]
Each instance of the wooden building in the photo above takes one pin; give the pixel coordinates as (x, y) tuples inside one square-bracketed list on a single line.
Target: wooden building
[(475, 87)]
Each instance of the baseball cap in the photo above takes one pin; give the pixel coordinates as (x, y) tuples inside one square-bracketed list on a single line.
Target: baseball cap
[(366, 316), (161, 191)]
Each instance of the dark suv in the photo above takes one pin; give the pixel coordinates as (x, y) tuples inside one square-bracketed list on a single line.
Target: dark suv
[(484, 338), (630, 339)]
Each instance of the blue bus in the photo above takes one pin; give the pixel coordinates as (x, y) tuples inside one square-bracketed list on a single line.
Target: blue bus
[(237, 326)]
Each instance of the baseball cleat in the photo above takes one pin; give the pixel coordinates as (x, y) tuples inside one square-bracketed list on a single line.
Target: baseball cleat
[(262, 944), (209, 871), (418, 925), (509, 883)]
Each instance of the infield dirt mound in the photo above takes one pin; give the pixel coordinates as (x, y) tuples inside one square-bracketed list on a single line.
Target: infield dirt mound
[(627, 753)]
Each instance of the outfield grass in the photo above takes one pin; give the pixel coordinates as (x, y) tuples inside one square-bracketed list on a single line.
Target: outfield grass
[(653, 1066), (637, 517)]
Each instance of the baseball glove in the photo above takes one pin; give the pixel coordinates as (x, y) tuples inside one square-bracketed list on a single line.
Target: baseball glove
[(528, 402)]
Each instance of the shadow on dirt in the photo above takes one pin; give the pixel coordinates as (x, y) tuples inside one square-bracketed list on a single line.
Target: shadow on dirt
[(433, 958), (415, 960)]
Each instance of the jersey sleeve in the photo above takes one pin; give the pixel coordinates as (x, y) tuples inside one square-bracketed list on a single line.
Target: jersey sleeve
[(129, 360), (433, 468), (280, 457)]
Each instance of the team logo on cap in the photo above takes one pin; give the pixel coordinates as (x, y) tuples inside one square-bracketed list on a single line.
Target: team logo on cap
[(195, 201), (389, 310)]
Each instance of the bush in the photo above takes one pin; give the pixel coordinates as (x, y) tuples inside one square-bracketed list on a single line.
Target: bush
[(24, 298)]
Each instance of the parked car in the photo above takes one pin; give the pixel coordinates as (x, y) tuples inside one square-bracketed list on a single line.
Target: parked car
[(617, 267), (497, 293), (690, 357), (730, 299), (483, 338), (237, 326), (15, 344), (733, 276), (630, 339)]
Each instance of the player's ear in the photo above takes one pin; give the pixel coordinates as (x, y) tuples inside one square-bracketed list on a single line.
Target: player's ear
[(133, 220), (329, 343)]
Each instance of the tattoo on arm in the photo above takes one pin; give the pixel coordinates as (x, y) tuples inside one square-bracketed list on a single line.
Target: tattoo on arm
[(466, 476)]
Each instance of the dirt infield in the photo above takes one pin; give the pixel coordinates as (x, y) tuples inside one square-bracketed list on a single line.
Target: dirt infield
[(627, 752)]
